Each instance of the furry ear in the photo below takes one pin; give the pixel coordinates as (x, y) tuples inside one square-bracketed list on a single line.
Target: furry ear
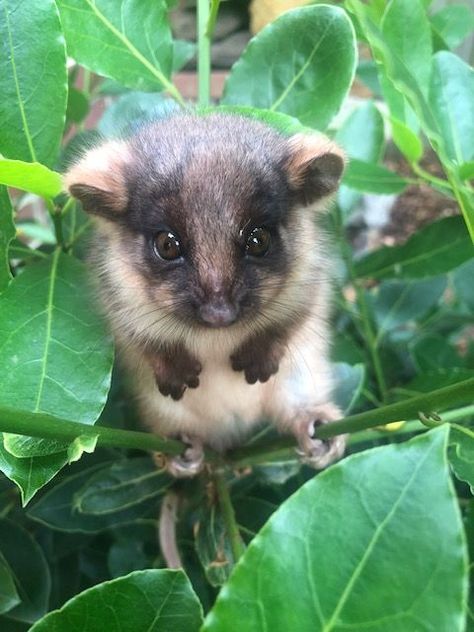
[(314, 167), (98, 180)]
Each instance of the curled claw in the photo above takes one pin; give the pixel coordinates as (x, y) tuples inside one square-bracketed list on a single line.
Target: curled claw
[(191, 462), (319, 453)]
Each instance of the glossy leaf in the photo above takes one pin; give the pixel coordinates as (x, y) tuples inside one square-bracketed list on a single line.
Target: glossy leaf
[(453, 23), (33, 81), (9, 597), (365, 176), (30, 570), (120, 486), (57, 508), (432, 351), (408, 34), (134, 108), (406, 140), (464, 285), (349, 382), (435, 249), (127, 40), (307, 75), (7, 232), (213, 545), (30, 474), (461, 453), (144, 601), (376, 570), (55, 355), (77, 106), (396, 303), (362, 137), (30, 176), (284, 123), (466, 170), (452, 100)]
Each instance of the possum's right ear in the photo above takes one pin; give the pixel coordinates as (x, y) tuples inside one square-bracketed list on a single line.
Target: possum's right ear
[(98, 180)]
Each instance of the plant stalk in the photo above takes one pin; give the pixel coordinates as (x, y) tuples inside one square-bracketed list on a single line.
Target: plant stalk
[(204, 53), (228, 514), (49, 427)]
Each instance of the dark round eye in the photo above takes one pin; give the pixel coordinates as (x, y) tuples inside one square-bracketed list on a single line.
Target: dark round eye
[(258, 242), (167, 245)]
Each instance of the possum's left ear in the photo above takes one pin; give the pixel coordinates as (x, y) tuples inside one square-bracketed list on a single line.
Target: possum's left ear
[(314, 167), (98, 180)]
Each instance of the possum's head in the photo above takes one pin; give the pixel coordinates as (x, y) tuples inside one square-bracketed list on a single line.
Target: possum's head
[(208, 220)]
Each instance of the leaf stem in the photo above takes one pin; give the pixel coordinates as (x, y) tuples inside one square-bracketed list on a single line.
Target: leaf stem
[(284, 448), (56, 216), (204, 53), (228, 514), (49, 427)]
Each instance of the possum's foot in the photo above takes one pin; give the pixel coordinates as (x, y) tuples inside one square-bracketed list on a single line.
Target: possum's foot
[(319, 453), (189, 463)]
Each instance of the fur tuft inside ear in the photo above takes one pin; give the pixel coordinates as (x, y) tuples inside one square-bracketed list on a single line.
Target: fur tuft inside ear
[(314, 167), (98, 179)]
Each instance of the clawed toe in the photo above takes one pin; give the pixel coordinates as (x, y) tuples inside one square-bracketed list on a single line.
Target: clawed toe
[(190, 463), (318, 453)]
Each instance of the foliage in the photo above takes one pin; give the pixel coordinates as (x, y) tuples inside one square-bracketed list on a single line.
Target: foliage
[(378, 540)]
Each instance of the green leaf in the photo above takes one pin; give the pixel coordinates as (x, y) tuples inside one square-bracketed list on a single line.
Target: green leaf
[(406, 140), (407, 32), (461, 453), (396, 303), (466, 170), (284, 123), (55, 355), (144, 601), (85, 443), (30, 474), (431, 351), (453, 23), (303, 64), (349, 382), (57, 508), (77, 105), (33, 81), (463, 283), (365, 176), (435, 249), (120, 486), (9, 597), (30, 176), (452, 101), (7, 232), (362, 137), (129, 41), (30, 571), (212, 545), (134, 107), (377, 570)]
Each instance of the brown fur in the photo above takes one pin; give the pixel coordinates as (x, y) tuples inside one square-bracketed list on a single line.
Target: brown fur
[(211, 180)]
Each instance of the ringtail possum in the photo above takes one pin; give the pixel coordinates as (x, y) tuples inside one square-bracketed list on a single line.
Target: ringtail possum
[(215, 276)]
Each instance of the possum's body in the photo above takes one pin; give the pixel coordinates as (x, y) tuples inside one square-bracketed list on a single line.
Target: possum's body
[(215, 277)]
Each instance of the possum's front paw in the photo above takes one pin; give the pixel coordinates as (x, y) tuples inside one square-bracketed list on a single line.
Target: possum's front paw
[(173, 374), (318, 453), (258, 361)]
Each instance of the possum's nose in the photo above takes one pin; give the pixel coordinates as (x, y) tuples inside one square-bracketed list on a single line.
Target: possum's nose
[(218, 312)]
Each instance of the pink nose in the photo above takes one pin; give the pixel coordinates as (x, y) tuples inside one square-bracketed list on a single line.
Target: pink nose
[(218, 313)]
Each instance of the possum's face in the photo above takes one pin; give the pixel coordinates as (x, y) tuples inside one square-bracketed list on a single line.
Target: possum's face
[(208, 213)]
